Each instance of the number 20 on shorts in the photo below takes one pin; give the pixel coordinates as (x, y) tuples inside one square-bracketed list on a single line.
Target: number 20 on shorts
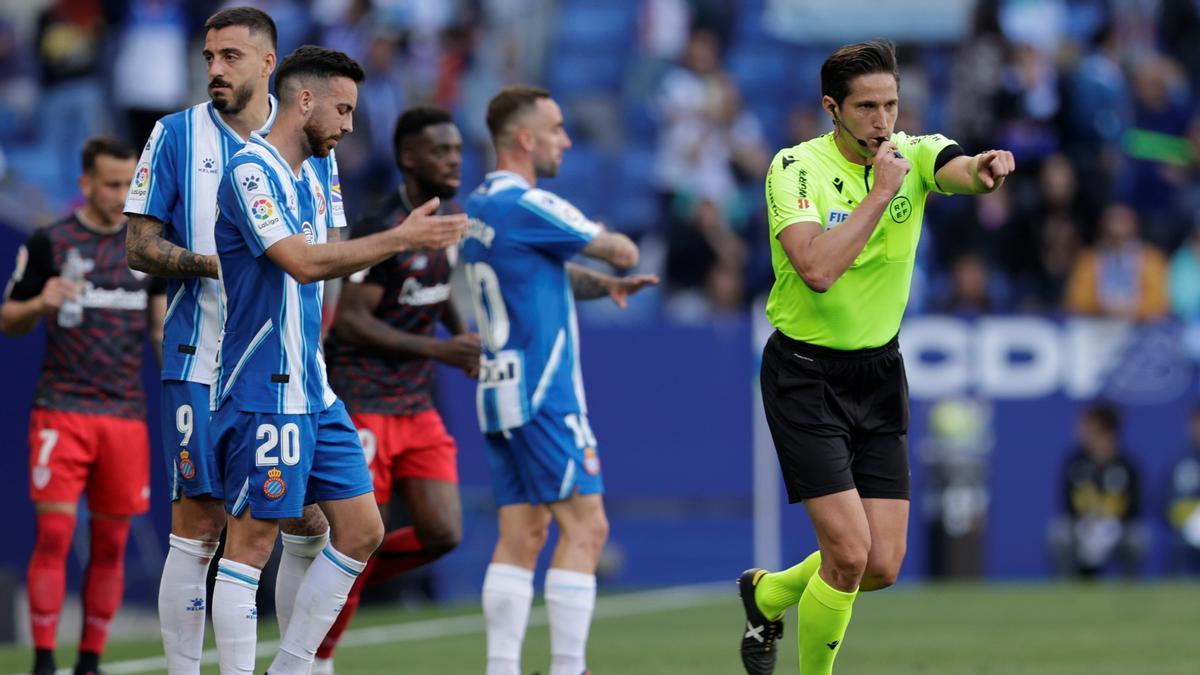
[(286, 438)]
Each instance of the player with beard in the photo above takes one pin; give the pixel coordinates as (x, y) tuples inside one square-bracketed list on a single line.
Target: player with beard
[(87, 432), (280, 434), (541, 450), (172, 207), (381, 356)]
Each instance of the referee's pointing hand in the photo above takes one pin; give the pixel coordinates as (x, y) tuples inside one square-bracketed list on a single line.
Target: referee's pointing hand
[(992, 167), (890, 168)]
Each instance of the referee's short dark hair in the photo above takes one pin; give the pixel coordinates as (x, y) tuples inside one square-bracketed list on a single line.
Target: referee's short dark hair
[(414, 120), (508, 104), (258, 21), (851, 61), (319, 62), (106, 146)]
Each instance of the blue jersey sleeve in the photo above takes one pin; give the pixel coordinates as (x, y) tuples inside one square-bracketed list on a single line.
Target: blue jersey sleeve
[(258, 206), (555, 226), (155, 186)]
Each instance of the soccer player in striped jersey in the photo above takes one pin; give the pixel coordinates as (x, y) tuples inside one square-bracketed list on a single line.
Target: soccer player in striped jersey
[(87, 432), (281, 436), (541, 449), (381, 356), (172, 207)]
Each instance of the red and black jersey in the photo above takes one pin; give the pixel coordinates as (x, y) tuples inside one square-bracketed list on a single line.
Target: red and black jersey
[(94, 367), (416, 291)]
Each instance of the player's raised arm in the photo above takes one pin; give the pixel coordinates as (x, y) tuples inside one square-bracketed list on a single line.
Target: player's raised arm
[(420, 231), (150, 252), (590, 284), (822, 256), (981, 173)]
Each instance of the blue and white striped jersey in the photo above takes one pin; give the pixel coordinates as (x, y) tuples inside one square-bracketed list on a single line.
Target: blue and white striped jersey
[(270, 356), (515, 255), (176, 182)]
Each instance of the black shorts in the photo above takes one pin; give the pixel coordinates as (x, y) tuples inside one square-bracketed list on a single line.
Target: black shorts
[(839, 418)]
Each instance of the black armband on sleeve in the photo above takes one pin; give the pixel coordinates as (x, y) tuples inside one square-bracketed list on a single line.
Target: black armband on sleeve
[(948, 153)]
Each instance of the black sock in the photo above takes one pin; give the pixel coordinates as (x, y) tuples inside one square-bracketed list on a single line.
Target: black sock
[(43, 662), (89, 662)]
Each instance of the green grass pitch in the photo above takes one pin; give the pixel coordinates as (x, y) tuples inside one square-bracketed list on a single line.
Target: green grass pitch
[(996, 629)]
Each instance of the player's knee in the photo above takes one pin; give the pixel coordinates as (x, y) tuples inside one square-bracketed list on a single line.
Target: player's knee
[(881, 575), (440, 538), (847, 560), (360, 541), (53, 540)]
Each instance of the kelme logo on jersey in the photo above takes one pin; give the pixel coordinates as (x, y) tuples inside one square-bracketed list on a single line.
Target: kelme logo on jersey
[(274, 487), (262, 208), (186, 468), (900, 209), (250, 183)]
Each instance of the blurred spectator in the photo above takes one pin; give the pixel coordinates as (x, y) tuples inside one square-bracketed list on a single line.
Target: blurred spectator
[(971, 287), (150, 70), (1121, 276), (1157, 146), (975, 78), (1185, 278), (1101, 500), (708, 146), (69, 44), (1029, 104), (1183, 502)]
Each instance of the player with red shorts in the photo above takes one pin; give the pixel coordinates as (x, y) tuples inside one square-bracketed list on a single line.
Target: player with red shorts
[(380, 357), (87, 432)]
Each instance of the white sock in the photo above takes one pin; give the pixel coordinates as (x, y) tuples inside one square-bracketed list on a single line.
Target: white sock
[(322, 667), (298, 553), (320, 599), (507, 596), (570, 599), (235, 616), (181, 603)]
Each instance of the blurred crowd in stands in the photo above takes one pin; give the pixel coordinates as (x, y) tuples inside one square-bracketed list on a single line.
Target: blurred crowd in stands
[(676, 107)]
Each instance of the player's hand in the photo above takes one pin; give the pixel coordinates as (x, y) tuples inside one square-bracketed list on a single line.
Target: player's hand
[(620, 288), (890, 169), (422, 230), (57, 291), (989, 169), (462, 351)]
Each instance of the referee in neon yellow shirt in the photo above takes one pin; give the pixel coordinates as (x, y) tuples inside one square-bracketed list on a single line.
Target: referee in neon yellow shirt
[(845, 211)]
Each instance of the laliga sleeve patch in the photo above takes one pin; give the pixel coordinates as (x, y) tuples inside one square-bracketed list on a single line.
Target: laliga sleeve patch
[(560, 210)]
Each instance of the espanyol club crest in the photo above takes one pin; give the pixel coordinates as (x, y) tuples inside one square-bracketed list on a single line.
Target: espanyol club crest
[(274, 487), (320, 202), (591, 461), (186, 468)]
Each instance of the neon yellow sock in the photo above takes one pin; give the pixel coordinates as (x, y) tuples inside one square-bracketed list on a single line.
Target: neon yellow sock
[(823, 617), (779, 590)]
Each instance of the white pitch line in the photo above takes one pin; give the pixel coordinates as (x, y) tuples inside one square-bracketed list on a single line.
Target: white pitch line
[(607, 607)]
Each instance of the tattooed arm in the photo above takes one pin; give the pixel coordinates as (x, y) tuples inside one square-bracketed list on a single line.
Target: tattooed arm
[(149, 252), (588, 284)]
